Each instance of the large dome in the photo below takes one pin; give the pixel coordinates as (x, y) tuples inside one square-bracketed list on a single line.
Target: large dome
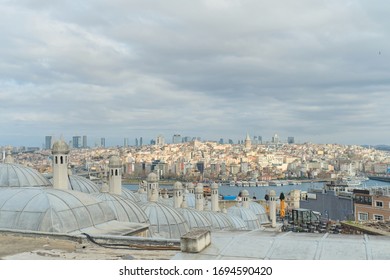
[(51, 210), (259, 211), (16, 175), (195, 219), (125, 210), (81, 184), (247, 215), (219, 221), (165, 221)]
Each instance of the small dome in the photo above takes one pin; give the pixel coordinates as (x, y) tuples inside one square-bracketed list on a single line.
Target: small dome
[(247, 215), (165, 221), (219, 221), (16, 175), (177, 186), (128, 194), (115, 162), (82, 184), (272, 193), (195, 219), (237, 222), (152, 177), (124, 209), (60, 147), (245, 193), (51, 210), (214, 186), (259, 211), (199, 188)]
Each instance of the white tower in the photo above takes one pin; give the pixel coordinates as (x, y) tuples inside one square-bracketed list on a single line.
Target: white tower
[(115, 175), (248, 142), (214, 197), (199, 197), (177, 194), (190, 188), (272, 207), (60, 153), (245, 199), (152, 184)]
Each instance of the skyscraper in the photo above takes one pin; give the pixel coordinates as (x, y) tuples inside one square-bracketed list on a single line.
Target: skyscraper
[(176, 139), (103, 142), (125, 142), (48, 140), (85, 144), (76, 142), (290, 140)]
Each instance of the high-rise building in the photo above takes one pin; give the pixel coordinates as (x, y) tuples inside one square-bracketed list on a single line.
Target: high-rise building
[(103, 142), (160, 141), (76, 142), (275, 139), (125, 142), (48, 140), (176, 139), (140, 141), (260, 139), (290, 140), (85, 143), (136, 142)]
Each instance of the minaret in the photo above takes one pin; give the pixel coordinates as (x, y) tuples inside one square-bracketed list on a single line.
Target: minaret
[(115, 175), (60, 153), (8, 157), (177, 194), (152, 184), (245, 199), (272, 207), (199, 197), (214, 197)]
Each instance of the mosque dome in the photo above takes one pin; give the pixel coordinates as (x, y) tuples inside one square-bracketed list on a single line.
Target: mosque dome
[(115, 162), (81, 184), (195, 219), (60, 147), (125, 210), (247, 215), (237, 222), (259, 211), (51, 210), (219, 221), (133, 196), (165, 221), (152, 177), (16, 175)]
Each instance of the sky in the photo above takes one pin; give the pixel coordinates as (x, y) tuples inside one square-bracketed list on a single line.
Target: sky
[(315, 70)]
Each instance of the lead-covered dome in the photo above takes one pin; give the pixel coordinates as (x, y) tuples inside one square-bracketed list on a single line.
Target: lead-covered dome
[(115, 162), (51, 210), (81, 184), (16, 175), (125, 210), (195, 219), (152, 177), (165, 221), (246, 214), (60, 147)]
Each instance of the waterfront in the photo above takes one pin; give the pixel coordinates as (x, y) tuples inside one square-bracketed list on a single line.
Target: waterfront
[(259, 192)]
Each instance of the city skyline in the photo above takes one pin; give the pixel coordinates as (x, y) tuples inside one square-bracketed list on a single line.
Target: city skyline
[(316, 71)]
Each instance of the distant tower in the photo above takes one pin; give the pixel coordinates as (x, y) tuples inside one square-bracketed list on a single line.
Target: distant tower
[(248, 142), (115, 175), (48, 140), (85, 142), (125, 142), (275, 139), (214, 197), (103, 142), (290, 140), (60, 153), (245, 199)]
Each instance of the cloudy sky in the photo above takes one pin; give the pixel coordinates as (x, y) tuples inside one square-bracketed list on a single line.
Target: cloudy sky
[(315, 70)]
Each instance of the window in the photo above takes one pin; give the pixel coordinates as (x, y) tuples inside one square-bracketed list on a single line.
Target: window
[(379, 204), (378, 217), (363, 216)]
